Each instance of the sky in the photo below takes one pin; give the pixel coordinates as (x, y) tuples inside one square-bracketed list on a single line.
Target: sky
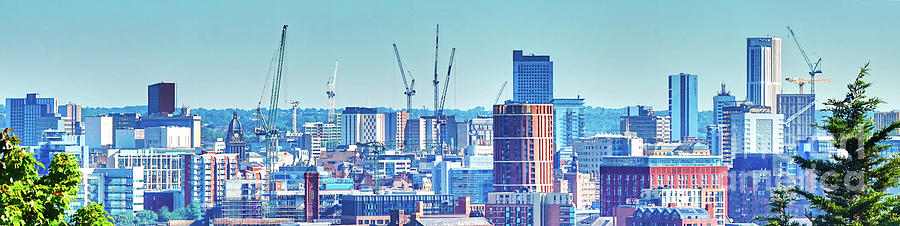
[(612, 53)]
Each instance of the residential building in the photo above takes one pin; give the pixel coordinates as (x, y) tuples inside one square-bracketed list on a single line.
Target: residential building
[(568, 120), (161, 98), (623, 178), (99, 131), (422, 133), (712, 200), (361, 125), (530, 208), (59, 141), (756, 174), (532, 78), (395, 129), (328, 135), (640, 120), (764, 71), (523, 147), (884, 119), (30, 116), (206, 175), (591, 150), (800, 127), (683, 105), (584, 189), (757, 132), (726, 142), (670, 216), (118, 190), (164, 169), (481, 136)]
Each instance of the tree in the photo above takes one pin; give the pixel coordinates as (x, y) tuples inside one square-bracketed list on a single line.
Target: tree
[(194, 211), (855, 184), (778, 203), (29, 199), (145, 217), (92, 214)]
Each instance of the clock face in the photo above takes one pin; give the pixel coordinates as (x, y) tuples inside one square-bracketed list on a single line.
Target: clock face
[(236, 136)]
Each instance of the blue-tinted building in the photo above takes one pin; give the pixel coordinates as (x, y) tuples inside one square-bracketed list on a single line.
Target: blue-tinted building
[(161, 98), (683, 105), (472, 182), (359, 209), (58, 141), (800, 127), (532, 78), (118, 190), (764, 71), (30, 116), (568, 121)]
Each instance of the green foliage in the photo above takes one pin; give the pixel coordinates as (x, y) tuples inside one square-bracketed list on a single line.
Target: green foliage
[(855, 184), (145, 217), (779, 201), (124, 218), (194, 211), (92, 215)]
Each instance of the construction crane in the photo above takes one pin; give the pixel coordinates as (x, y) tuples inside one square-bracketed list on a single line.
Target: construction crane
[(497, 99), (440, 110), (409, 85), (802, 81), (813, 70), (267, 123), (294, 105), (330, 93), (435, 82)]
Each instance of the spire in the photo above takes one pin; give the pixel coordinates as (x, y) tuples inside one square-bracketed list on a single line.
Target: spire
[(235, 113), (724, 92)]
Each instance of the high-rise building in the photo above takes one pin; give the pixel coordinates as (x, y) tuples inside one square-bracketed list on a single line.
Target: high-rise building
[(30, 116), (683, 105), (800, 127), (591, 150), (884, 119), (481, 136), (530, 208), (99, 131), (166, 172), (206, 175), (234, 138), (395, 129), (422, 133), (532, 78), (568, 121), (71, 116), (640, 120), (118, 190), (54, 141), (183, 120), (722, 100), (523, 147), (757, 132), (361, 125), (124, 121), (764, 71), (726, 144), (161, 98), (623, 178)]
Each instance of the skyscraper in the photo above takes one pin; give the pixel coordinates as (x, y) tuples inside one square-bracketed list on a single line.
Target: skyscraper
[(568, 121), (723, 99), (683, 105), (532, 78), (757, 132), (884, 119), (523, 147), (30, 116), (764, 71), (800, 127), (640, 120), (161, 98)]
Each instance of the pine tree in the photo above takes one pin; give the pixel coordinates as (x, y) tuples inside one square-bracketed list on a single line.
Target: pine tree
[(856, 183), (778, 203)]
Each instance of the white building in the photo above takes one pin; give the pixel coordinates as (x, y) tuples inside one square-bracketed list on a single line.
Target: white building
[(764, 71), (591, 150), (163, 168), (98, 131), (129, 138), (757, 132), (118, 190), (361, 125), (422, 133), (208, 173), (167, 137)]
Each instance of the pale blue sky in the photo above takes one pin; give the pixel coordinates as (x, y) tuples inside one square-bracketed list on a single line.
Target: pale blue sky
[(105, 53)]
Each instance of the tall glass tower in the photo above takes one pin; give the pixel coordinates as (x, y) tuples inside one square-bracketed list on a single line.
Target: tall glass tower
[(764, 71), (532, 78), (683, 105)]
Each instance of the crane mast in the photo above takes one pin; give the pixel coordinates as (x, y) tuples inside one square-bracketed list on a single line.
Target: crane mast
[(440, 110), (408, 85), (330, 93), (435, 82)]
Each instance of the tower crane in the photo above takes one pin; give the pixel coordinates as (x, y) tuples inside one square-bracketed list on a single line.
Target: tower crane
[(435, 81), (802, 81), (409, 85), (330, 93), (813, 70), (440, 110), (294, 105), (267, 123), (497, 99)]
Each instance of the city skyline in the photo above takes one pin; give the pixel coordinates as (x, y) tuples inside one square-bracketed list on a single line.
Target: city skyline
[(228, 45)]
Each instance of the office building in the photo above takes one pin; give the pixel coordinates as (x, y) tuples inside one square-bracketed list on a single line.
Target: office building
[(422, 133), (523, 147), (129, 138), (568, 121), (683, 105), (532, 78), (167, 137), (395, 129), (623, 178), (98, 131), (757, 132), (591, 150), (118, 190), (234, 138), (584, 189), (530, 208), (71, 116), (640, 120), (58, 141), (481, 136), (764, 71), (712, 200), (361, 125), (370, 209), (170, 120), (799, 128), (471, 182), (720, 101), (123, 121), (327, 134), (726, 143), (161, 98), (884, 119), (163, 168), (756, 175), (206, 175), (30, 116)]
